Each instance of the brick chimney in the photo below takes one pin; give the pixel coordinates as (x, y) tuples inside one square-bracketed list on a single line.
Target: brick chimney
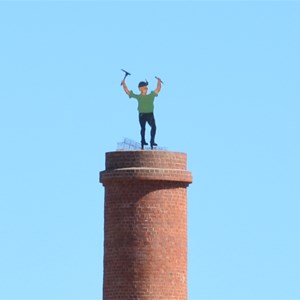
[(145, 225)]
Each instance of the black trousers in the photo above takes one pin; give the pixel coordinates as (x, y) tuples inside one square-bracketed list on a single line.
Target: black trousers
[(144, 118)]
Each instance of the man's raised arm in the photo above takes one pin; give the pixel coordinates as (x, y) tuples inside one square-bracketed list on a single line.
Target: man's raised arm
[(125, 88), (158, 85)]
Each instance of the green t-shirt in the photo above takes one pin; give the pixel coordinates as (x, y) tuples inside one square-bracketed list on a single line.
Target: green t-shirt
[(145, 103)]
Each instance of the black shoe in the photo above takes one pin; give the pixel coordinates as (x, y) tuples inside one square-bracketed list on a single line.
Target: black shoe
[(143, 143), (153, 144)]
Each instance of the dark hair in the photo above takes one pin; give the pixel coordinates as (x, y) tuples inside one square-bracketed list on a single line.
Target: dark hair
[(143, 83)]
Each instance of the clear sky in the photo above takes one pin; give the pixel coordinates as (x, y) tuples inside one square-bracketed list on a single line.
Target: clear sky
[(230, 100)]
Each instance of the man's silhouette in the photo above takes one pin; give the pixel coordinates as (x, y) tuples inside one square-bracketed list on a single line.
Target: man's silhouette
[(145, 108)]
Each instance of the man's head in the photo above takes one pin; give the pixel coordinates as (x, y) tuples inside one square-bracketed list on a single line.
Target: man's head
[(143, 87)]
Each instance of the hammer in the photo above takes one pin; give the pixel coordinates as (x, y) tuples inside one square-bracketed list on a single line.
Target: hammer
[(126, 74), (158, 79)]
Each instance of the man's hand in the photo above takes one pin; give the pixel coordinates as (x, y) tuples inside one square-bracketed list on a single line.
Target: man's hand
[(158, 79)]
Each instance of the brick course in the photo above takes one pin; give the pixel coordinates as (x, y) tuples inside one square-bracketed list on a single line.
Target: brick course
[(145, 230)]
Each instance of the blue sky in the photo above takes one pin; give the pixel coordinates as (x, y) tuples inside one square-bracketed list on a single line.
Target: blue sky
[(230, 101)]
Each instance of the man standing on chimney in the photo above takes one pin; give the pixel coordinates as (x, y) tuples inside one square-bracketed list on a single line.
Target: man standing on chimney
[(145, 108)]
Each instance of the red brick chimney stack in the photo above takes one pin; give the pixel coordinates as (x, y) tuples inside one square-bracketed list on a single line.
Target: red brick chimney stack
[(145, 226)]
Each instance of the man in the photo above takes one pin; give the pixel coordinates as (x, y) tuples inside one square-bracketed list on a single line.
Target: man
[(145, 108)]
